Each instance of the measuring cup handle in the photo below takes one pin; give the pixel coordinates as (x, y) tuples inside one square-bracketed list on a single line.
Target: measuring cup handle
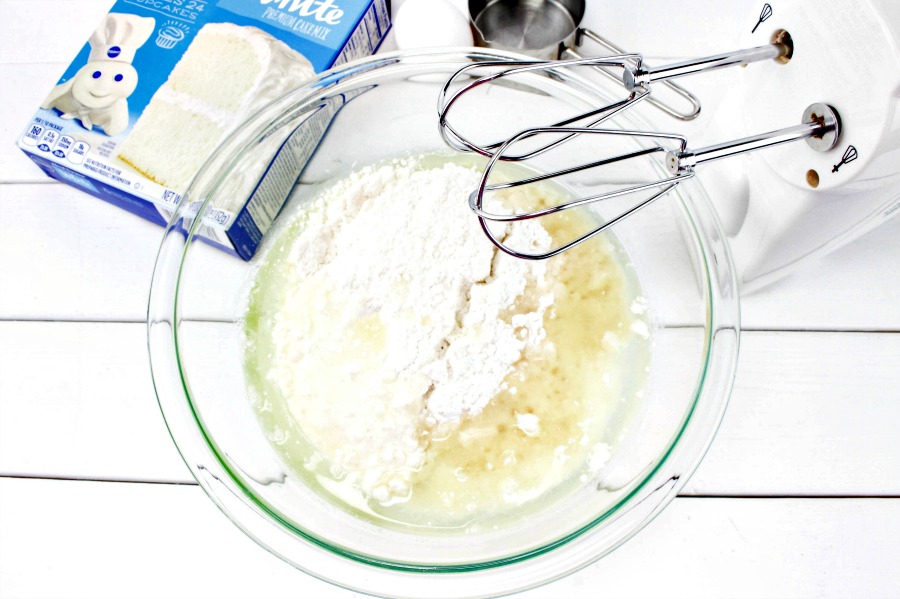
[(581, 33)]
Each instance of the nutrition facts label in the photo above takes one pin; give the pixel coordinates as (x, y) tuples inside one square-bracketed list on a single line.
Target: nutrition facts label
[(74, 161), (48, 140), (367, 36)]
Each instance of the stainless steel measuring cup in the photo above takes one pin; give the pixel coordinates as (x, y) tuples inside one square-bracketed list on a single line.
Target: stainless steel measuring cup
[(533, 27), (550, 30)]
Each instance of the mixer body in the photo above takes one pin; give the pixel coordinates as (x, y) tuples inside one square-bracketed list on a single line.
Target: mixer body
[(789, 203)]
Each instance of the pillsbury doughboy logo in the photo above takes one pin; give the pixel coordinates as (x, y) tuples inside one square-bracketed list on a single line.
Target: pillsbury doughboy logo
[(324, 11), (97, 94)]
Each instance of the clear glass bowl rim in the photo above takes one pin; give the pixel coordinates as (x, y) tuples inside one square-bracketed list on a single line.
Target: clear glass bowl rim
[(200, 453)]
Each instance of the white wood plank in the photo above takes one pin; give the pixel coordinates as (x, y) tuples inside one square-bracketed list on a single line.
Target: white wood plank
[(120, 540), (751, 548), (76, 400), (85, 259), (68, 255), (811, 414), (89, 539)]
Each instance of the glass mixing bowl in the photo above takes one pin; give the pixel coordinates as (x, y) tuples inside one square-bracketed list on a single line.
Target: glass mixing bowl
[(198, 299)]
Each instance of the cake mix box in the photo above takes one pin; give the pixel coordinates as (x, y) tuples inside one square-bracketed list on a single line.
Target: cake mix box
[(161, 83)]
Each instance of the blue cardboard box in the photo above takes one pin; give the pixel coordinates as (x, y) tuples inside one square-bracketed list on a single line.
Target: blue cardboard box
[(160, 83)]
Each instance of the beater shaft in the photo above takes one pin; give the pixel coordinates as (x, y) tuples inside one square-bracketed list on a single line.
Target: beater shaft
[(643, 76), (820, 125), (673, 112)]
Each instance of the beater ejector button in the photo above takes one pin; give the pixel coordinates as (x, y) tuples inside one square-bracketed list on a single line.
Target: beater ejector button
[(827, 118), (632, 78), (672, 162), (679, 162)]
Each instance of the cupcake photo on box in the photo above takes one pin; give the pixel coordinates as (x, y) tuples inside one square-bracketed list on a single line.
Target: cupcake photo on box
[(168, 36)]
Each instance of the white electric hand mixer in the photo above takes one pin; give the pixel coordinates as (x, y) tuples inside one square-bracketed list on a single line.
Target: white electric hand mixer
[(831, 68)]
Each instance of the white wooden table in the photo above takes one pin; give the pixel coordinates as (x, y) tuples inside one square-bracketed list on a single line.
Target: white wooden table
[(798, 496)]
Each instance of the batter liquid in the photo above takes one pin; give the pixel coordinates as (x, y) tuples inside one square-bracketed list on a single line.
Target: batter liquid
[(549, 429)]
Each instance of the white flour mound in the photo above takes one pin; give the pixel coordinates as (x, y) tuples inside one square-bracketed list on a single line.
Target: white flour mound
[(399, 315)]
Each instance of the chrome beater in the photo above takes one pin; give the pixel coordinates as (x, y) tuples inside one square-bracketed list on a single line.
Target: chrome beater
[(635, 76), (820, 127)]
